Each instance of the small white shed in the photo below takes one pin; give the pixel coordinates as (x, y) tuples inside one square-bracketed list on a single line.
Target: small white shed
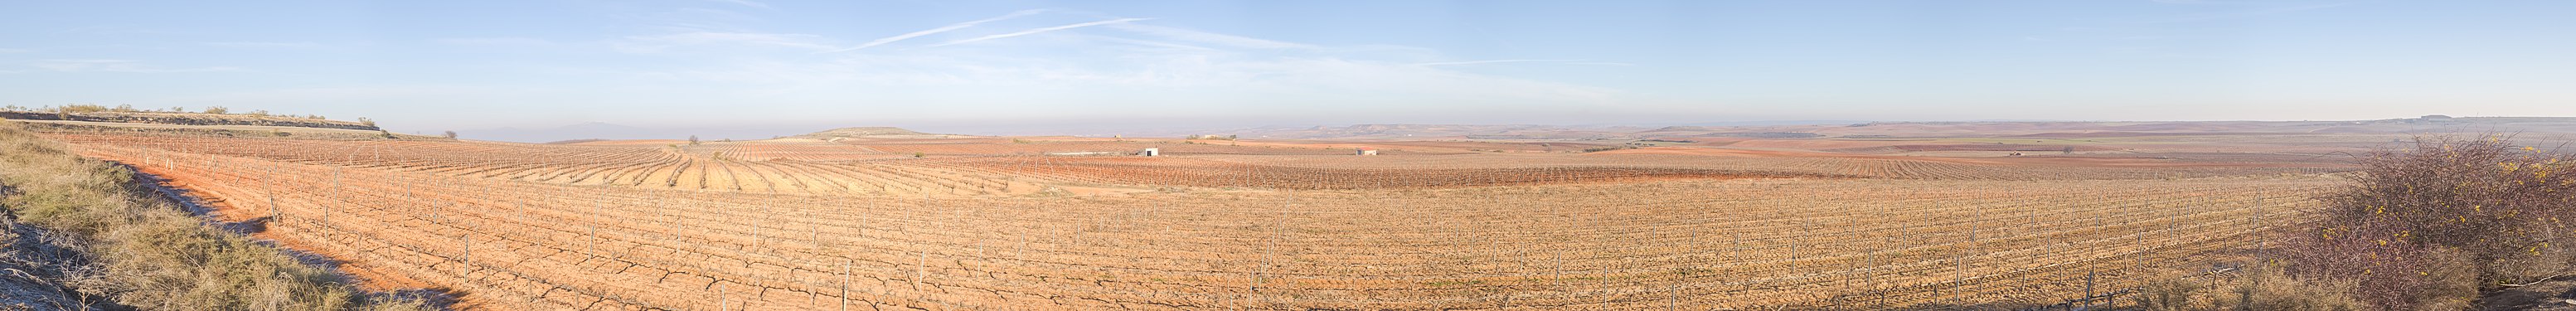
[(1151, 152)]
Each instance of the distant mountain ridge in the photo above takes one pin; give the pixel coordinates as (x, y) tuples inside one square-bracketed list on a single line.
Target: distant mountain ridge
[(1887, 129), (611, 131), (860, 132), (1398, 131), (172, 118), (590, 130), (1774, 130)]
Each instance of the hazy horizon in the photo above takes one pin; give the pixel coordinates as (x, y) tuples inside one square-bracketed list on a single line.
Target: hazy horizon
[(605, 130), (1035, 66)]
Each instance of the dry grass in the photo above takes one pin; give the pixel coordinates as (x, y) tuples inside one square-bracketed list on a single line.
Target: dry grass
[(2259, 289), (149, 254), (36, 264)]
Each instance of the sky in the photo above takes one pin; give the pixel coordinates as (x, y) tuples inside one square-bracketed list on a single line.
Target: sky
[(1039, 66)]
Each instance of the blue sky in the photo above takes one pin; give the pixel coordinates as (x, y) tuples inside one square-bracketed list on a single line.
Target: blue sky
[(995, 66)]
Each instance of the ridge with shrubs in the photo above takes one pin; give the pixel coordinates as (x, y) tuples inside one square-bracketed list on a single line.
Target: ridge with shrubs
[(109, 243)]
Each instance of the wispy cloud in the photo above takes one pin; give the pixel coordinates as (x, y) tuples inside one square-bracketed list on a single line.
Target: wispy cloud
[(115, 30), (493, 41), (1205, 37), (336, 94), (747, 3), (932, 31), (266, 45), (113, 65), (1502, 61), (660, 42), (1152, 43), (1099, 59), (1040, 30), (2250, 13)]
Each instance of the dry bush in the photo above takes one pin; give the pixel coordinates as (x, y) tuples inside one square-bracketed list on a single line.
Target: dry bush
[(80, 108), (154, 256), (2258, 289), (2175, 295), (2424, 227)]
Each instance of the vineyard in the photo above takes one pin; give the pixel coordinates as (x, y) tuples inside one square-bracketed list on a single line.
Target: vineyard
[(834, 226)]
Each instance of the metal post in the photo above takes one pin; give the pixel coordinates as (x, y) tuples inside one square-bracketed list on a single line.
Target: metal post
[(845, 284), (468, 259), (2088, 289)]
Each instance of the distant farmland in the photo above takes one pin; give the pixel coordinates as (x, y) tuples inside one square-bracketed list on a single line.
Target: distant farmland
[(996, 223)]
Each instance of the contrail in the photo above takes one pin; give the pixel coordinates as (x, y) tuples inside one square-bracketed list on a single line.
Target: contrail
[(941, 29), (1473, 62), (1039, 30)]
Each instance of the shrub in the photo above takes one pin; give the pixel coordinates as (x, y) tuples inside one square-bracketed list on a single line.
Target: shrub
[(2262, 288), (2426, 226), (217, 110), (1600, 149), (80, 108)]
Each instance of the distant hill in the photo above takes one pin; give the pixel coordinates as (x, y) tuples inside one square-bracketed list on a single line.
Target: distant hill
[(574, 141), (863, 131), (1825, 129), (592, 130), (1425, 131), (612, 131), (867, 132), (2073, 129), (175, 118)]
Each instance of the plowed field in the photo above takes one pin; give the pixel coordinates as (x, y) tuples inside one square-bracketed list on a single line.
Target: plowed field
[(827, 226)]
